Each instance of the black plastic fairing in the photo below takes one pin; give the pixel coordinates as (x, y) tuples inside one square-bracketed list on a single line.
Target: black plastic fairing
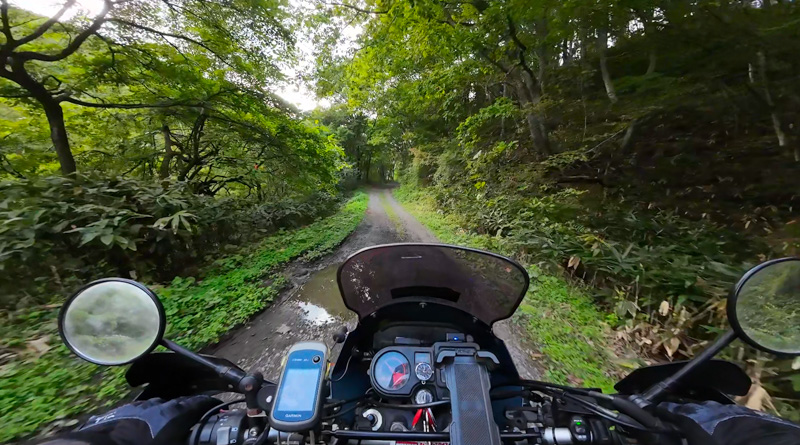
[(719, 375)]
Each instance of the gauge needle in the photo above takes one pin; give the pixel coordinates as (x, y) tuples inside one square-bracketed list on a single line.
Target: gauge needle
[(397, 378)]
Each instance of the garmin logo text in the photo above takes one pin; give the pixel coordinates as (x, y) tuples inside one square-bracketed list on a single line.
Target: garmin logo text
[(294, 416)]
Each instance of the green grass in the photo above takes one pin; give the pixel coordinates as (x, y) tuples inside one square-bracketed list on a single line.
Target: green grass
[(560, 318), (54, 386)]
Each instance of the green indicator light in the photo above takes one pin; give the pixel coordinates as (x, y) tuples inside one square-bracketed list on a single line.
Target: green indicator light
[(577, 423)]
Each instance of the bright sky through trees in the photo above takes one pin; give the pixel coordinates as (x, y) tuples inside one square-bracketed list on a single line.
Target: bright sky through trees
[(292, 91)]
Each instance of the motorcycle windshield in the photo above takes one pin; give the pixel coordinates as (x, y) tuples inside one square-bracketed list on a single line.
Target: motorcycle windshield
[(486, 285)]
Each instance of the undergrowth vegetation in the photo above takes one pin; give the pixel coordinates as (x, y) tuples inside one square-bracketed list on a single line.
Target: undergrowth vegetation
[(59, 232), (41, 383), (663, 278)]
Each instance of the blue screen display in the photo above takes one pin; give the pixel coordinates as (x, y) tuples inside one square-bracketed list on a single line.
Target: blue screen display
[(298, 390)]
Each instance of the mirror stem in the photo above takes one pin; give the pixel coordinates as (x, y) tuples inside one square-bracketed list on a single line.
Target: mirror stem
[(657, 391), (232, 376)]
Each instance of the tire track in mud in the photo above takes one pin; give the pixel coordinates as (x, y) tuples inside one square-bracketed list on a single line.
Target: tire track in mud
[(312, 309)]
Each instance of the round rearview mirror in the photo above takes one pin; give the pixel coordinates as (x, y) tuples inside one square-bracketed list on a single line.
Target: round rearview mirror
[(112, 321), (764, 309)]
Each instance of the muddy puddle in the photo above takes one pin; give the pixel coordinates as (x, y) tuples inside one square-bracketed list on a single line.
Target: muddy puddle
[(313, 311), (319, 301)]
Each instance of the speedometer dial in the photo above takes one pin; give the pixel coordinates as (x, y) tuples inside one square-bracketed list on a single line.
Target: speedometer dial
[(392, 371)]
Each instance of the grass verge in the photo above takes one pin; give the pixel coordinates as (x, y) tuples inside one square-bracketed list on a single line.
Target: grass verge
[(560, 317), (41, 383)]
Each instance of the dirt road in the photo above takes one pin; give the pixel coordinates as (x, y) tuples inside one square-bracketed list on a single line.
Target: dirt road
[(312, 309)]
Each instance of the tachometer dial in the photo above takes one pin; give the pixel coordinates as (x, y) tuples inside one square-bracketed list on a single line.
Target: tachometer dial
[(392, 371)]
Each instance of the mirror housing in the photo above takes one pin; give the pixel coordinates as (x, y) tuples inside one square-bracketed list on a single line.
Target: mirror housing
[(764, 308), (116, 321), (112, 321)]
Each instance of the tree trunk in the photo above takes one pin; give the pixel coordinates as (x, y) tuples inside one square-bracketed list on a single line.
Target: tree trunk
[(602, 45), (529, 93), (58, 134), (52, 110), (566, 53), (533, 93), (627, 140), (542, 31), (503, 118), (649, 32), (163, 171), (651, 68), (773, 111), (535, 124)]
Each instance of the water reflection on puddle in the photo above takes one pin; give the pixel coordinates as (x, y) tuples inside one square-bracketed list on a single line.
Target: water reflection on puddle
[(319, 300), (315, 314)]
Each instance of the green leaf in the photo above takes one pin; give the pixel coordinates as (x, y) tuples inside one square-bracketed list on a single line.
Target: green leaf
[(88, 236), (60, 226)]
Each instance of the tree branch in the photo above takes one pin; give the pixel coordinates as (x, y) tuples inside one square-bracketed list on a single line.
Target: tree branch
[(497, 64), (17, 25), (356, 8), (73, 46), (10, 167), (6, 26), (110, 46), (72, 100), (512, 30), (186, 11), (167, 34), (45, 26)]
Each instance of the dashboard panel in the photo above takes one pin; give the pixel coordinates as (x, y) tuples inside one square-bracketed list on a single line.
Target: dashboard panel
[(397, 371)]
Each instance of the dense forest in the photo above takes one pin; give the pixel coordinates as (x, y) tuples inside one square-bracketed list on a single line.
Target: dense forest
[(647, 149)]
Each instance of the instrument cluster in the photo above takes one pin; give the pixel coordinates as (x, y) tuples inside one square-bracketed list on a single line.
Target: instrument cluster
[(398, 370)]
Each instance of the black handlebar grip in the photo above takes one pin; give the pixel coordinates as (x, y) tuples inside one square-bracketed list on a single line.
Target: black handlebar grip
[(636, 412)]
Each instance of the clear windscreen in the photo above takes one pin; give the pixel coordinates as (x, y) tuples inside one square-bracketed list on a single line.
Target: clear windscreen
[(483, 284)]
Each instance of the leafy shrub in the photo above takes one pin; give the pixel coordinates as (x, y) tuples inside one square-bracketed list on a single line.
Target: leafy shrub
[(647, 265), (58, 232)]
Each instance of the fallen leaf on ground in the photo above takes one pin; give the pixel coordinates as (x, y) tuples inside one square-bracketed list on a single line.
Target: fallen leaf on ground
[(39, 346), (671, 345)]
